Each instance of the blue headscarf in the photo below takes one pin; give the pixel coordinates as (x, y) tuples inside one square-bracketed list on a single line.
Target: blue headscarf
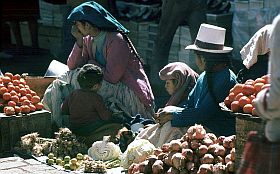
[(97, 15)]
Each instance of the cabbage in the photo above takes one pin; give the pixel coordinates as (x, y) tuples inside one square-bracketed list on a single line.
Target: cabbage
[(136, 152), (104, 150)]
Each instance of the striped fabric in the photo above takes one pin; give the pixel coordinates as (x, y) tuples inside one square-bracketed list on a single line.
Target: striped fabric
[(260, 156), (129, 102)]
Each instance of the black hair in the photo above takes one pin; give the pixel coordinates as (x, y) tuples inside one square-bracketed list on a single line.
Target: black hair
[(213, 60), (132, 46), (175, 81), (89, 76)]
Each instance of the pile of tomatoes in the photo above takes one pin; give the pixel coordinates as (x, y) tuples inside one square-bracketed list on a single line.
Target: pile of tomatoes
[(242, 96), (16, 97)]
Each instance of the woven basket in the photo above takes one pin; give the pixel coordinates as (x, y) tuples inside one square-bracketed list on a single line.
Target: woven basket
[(244, 124), (243, 127)]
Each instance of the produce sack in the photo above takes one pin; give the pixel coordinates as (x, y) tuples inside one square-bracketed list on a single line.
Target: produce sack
[(158, 135), (136, 152), (104, 150), (259, 156)]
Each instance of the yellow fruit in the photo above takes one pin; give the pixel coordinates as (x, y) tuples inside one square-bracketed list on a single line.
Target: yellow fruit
[(80, 156), (73, 161)]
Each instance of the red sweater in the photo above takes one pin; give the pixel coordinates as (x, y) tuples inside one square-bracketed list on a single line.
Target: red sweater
[(84, 107)]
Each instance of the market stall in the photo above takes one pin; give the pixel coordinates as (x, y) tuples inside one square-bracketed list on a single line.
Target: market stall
[(21, 109)]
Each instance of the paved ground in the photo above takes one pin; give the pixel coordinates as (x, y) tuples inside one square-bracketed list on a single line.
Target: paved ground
[(17, 165)]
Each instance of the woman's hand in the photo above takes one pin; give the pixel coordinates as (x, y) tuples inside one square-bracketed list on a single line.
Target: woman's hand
[(78, 35), (163, 117)]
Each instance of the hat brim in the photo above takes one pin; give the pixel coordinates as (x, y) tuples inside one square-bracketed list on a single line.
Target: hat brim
[(194, 47)]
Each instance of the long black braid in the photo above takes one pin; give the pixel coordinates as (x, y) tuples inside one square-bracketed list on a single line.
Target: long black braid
[(212, 60), (132, 47)]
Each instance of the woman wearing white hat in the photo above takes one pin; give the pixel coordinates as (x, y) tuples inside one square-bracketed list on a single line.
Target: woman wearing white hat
[(213, 85)]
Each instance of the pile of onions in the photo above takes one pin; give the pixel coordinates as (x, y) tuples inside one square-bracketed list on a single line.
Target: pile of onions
[(16, 97), (197, 152)]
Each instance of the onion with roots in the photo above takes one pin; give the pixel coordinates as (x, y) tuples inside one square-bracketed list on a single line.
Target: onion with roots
[(194, 144), (196, 132), (207, 159), (165, 147), (232, 153), (205, 169), (220, 151), (219, 169), (207, 141), (185, 145), (157, 167), (230, 166), (178, 161), (175, 145), (212, 136), (203, 149), (173, 170), (188, 154), (220, 140)]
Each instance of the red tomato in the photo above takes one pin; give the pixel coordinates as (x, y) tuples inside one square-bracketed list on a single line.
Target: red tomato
[(243, 101), (235, 106), (35, 99), (248, 90), (248, 108)]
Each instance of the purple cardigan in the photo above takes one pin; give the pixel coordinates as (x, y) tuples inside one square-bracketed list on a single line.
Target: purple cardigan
[(121, 64)]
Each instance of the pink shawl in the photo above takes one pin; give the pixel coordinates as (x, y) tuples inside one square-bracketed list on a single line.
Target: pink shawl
[(185, 76)]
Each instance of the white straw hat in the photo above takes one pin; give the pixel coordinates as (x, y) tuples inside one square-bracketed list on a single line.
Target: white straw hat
[(211, 39)]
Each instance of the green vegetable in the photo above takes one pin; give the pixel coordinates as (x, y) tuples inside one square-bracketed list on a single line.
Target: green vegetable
[(67, 166), (50, 161), (50, 155), (67, 159)]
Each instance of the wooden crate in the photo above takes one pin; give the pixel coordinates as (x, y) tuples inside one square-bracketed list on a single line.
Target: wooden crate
[(39, 84), (13, 127)]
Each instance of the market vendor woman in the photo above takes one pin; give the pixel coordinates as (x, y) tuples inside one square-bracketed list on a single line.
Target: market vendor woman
[(102, 40), (213, 85)]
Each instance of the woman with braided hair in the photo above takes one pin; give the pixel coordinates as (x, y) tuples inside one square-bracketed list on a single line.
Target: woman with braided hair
[(103, 41)]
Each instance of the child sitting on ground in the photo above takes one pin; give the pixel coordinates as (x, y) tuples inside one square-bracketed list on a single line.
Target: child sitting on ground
[(88, 115)]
